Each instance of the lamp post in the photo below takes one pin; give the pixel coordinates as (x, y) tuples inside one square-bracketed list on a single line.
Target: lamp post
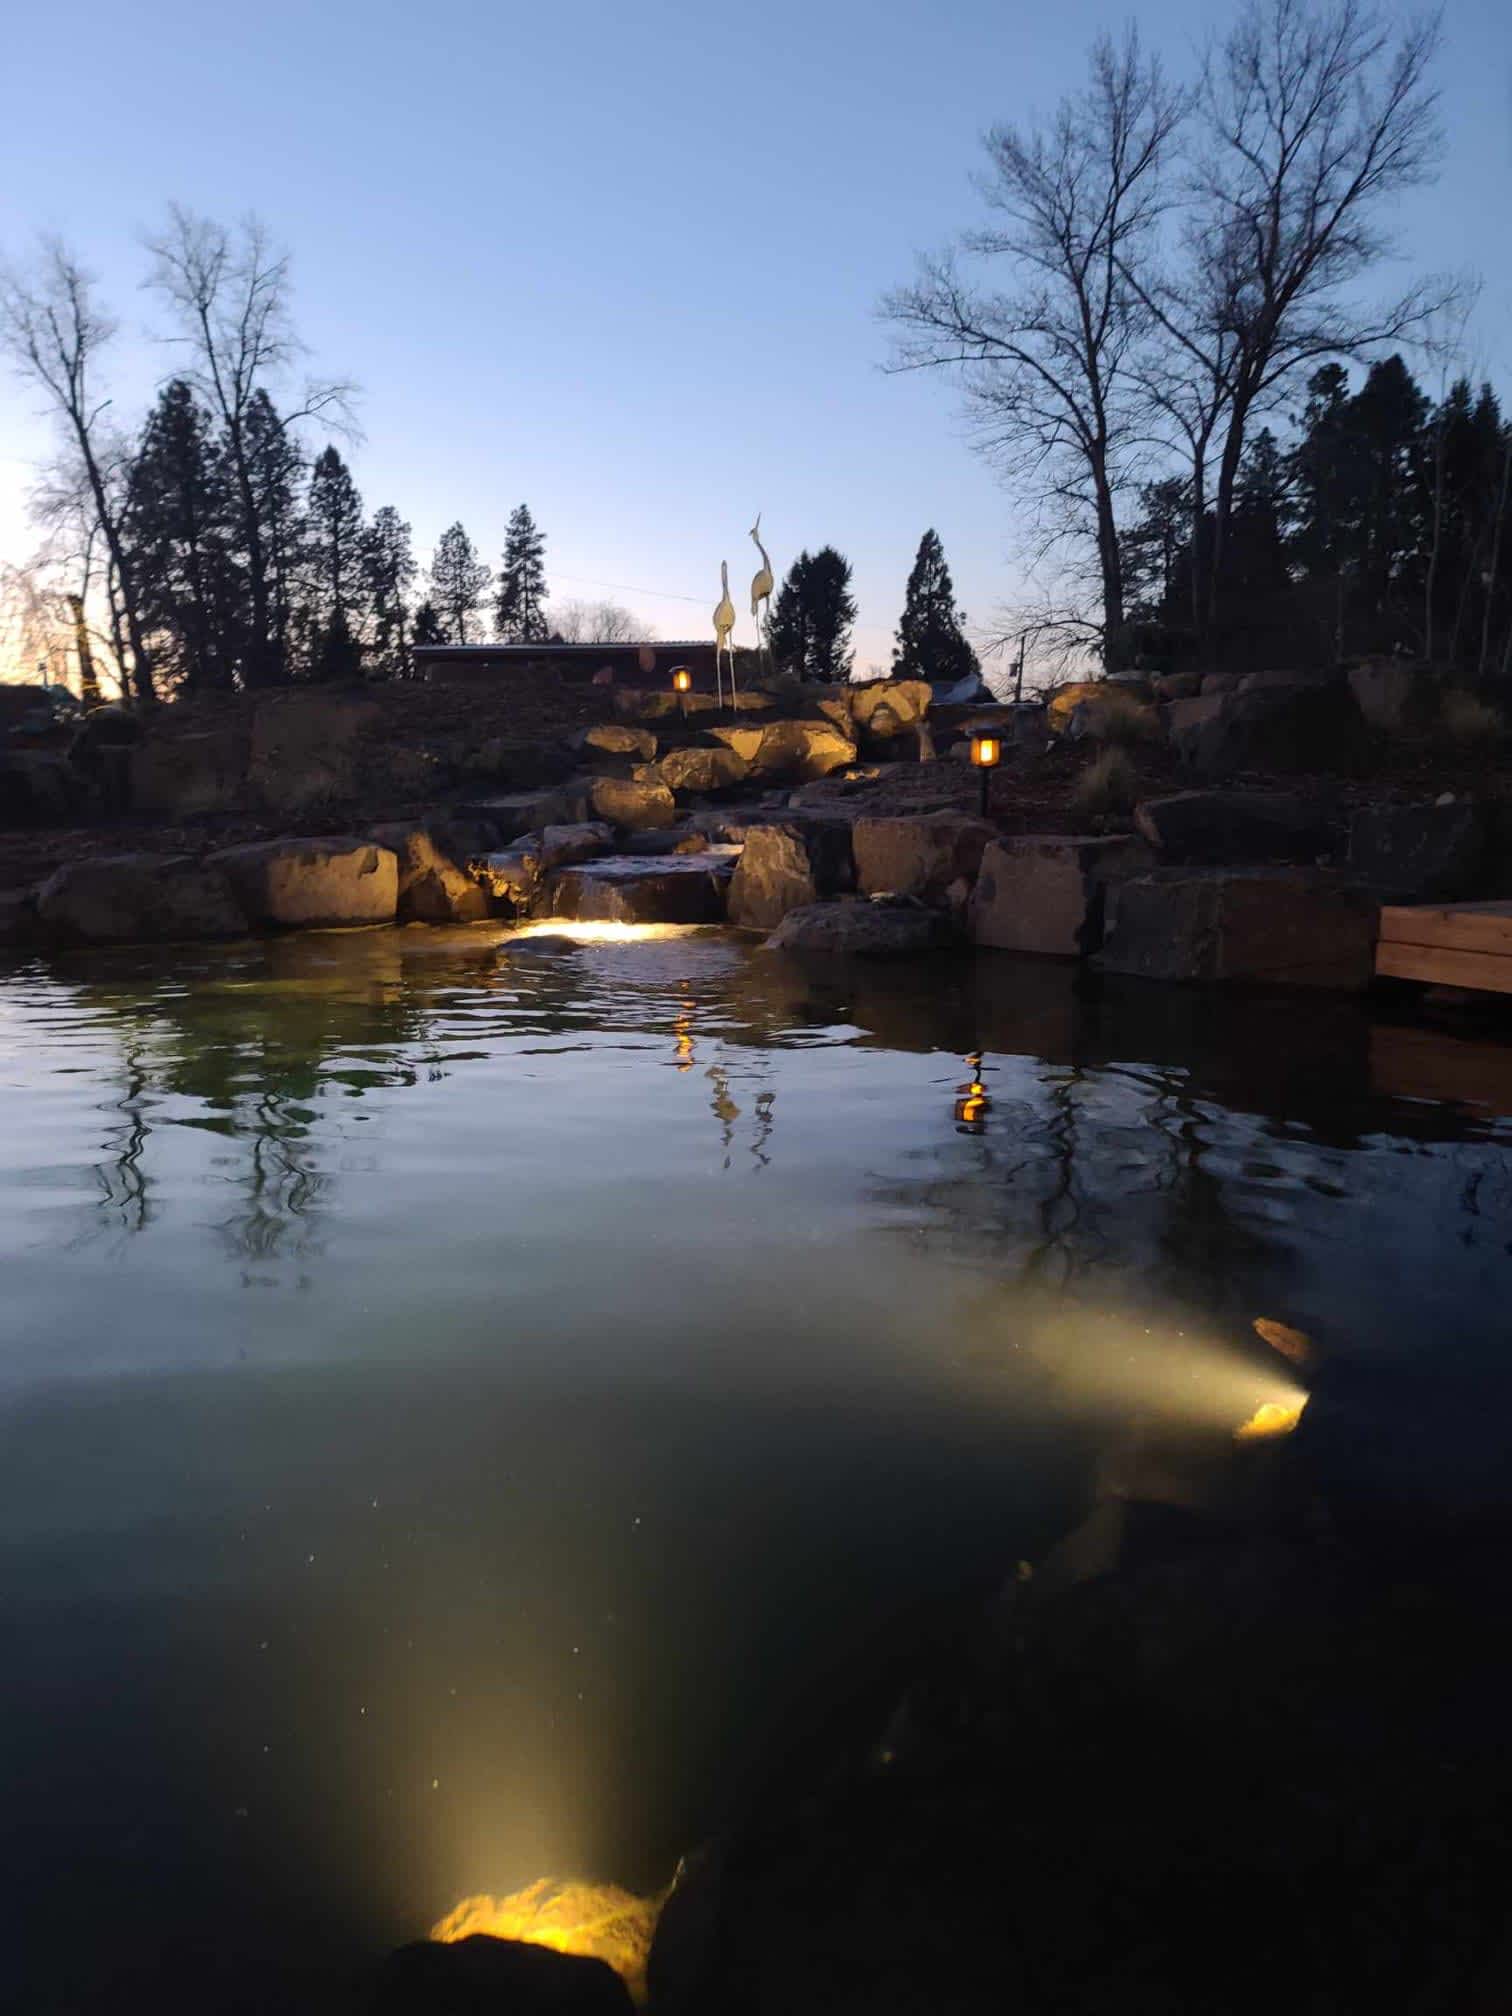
[(986, 754), (682, 686)]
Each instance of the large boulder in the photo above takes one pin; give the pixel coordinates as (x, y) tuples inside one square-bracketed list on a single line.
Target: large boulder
[(18, 916), (637, 703), (883, 709), (180, 776), (125, 899), (637, 804), (787, 867), (706, 771), (639, 889), (803, 750), (38, 787), (1290, 725), (313, 883), (513, 813), (1416, 853), (304, 749), (614, 738), (434, 888), (860, 930), (1210, 828), (934, 857), (1282, 926), (743, 739), (1043, 892), (482, 1976)]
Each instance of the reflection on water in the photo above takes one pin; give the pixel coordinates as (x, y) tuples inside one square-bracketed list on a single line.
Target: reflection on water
[(430, 1458)]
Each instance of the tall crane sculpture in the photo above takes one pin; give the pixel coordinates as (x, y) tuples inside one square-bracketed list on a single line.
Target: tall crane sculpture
[(762, 585), (724, 628)]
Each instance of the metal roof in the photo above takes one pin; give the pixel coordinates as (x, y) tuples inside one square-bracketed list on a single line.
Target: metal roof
[(536, 650)]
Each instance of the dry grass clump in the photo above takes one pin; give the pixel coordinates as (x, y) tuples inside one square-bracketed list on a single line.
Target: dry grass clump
[(1468, 719), (1110, 784)]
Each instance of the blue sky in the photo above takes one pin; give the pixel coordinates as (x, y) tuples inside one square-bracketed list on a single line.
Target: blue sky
[(621, 261)]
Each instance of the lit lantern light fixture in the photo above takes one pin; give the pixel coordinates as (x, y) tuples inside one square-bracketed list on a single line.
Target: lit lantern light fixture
[(682, 686), (972, 1103), (986, 754)]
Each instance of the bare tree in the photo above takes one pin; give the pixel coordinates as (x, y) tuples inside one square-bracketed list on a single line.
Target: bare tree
[(1312, 118), (1050, 366), (53, 330), (597, 623), (229, 291)]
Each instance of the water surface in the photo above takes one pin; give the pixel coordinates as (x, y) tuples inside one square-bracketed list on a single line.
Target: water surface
[(470, 1414)]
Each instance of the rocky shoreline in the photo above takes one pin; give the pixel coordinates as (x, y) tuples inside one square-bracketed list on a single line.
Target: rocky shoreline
[(828, 820)]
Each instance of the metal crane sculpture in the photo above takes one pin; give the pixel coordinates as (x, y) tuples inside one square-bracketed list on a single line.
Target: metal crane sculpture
[(762, 585), (724, 627)]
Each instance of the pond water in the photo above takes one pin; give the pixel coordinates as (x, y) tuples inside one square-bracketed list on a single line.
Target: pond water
[(475, 1413)]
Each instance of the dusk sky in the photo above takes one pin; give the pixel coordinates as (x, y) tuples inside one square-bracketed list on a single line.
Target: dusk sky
[(621, 262)]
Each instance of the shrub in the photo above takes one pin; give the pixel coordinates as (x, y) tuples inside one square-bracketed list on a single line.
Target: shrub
[(1467, 719), (1110, 784)]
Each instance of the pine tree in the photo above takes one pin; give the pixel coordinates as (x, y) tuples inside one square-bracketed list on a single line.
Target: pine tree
[(177, 527), (271, 536), (458, 579), (427, 625), (520, 610), (809, 633), (338, 655), (333, 548), (388, 569), (930, 643)]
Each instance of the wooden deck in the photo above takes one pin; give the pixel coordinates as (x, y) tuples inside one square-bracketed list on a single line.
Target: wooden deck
[(1449, 945)]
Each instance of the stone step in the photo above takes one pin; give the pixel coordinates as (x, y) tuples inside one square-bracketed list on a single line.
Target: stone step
[(641, 889)]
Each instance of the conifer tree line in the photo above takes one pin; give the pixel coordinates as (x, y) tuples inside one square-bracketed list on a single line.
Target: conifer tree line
[(215, 547), (1175, 336)]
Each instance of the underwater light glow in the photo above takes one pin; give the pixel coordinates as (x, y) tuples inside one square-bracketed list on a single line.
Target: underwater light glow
[(598, 1921), (1272, 1419), (587, 931)]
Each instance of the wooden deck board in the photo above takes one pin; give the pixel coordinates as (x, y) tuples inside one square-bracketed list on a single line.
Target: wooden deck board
[(1446, 966), (1484, 928)]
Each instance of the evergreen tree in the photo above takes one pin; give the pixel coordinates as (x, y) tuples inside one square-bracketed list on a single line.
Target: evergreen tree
[(811, 619), (930, 643), (458, 579), (177, 528), (427, 625), (338, 655), (271, 535), (388, 569), (333, 548), (520, 610)]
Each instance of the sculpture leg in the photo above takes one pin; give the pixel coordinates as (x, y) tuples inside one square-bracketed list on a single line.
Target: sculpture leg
[(732, 675)]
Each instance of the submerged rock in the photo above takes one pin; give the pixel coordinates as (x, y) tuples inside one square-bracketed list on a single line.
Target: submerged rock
[(328, 881), (862, 930), (481, 1976), (124, 899), (18, 916)]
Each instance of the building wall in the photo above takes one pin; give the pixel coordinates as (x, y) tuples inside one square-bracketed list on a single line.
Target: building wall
[(624, 664)]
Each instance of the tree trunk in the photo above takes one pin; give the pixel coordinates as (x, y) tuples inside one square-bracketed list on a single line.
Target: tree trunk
[(1110, 561), (1495, 569), (89, 684)]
